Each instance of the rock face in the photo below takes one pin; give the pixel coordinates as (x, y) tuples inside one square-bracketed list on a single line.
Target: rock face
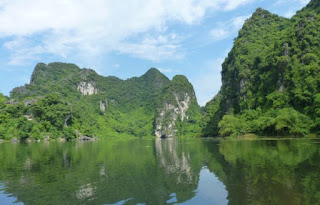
[(103, 106), (87, 88), (269, 68), (83, 138), (86, 138), (30, 101), (177, 99), (168, 115), (151, 104), (14, 140)]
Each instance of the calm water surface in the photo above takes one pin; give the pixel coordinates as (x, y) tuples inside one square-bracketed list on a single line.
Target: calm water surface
[(170, 171)]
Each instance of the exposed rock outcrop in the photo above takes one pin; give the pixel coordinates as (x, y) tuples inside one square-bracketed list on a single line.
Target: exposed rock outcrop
[(168, 115), (177, 99), (29, 117), (136, 106), (14, 140), (87, 88), (29, 140), (285, 49), (66, 120), (29, 102), (86, 138), (46, 138), (269, 68), (103, 105)]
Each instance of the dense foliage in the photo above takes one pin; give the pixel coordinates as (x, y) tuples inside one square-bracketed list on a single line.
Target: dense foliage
[(270, 86), (180, 89), (53, 106), (271, 78), (274, 122), (48, 116)]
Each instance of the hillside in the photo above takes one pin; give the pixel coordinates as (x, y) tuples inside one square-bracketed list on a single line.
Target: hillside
[(271, 78), (270, 87), (63, 100)]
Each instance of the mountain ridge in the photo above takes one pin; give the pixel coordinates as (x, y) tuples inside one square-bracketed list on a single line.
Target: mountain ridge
[(63, 100), (270, 79), (270, 86)]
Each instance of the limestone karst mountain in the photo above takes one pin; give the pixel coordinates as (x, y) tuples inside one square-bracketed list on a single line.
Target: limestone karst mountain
[(66, 101), (271, 78)]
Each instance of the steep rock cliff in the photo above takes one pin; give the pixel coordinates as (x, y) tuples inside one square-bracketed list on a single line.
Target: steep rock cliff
[(178, 109), (110, 106), (273, 65)]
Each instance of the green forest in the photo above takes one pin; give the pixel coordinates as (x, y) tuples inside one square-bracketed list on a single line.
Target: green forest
[(270, 79), (64, 101), (270, 87)]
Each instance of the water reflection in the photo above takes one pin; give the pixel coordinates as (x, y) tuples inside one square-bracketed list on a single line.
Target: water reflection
[(268, 172), (174, 163), (210, 190), (7, 198), (161, 171)]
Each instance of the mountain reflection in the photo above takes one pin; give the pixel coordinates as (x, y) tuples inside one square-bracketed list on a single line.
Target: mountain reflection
[(105, 172), (162, 171), (174, 163)]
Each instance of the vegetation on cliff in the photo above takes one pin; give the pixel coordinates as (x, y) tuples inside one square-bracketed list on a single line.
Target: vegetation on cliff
[(270, 86), (271, 78), (63, 100)]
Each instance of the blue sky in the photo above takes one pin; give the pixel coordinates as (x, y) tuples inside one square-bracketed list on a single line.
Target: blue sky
[(125, 38)]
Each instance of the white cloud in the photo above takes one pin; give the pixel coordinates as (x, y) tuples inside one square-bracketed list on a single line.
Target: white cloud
[(291, 6), (219, 34), (238, 22), (23, 50), (168, 70), (93, 27), (163, 47), (116, 65), (232, 4), (289, 14), (208, 84), (228, 28), (302, 2)]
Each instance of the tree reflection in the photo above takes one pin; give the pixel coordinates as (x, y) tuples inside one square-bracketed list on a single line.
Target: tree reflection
[(161, 171), (268, 172)]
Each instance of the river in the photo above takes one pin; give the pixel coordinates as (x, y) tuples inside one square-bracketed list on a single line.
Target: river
[(161, 171)]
